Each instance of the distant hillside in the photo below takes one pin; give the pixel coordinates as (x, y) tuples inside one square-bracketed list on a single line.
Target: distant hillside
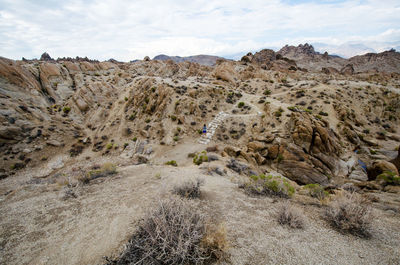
[(200, 59)]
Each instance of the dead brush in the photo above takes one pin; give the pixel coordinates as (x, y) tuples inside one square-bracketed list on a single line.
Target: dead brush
[(189, 189), (350, 213), (174, 233), (290, 216)]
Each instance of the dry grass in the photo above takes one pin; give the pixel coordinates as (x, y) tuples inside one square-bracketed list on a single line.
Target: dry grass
[(350, 213), (189, 189), (105, 170), (290, 216), (175, 233)]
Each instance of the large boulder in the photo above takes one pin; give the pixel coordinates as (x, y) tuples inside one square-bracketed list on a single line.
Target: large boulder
[(313, 135), (380, 166), (396, 161)]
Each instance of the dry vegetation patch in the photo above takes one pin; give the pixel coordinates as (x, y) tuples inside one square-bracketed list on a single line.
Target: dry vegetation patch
[(176, 232), (350, 213), (189, 189), (290, 216)]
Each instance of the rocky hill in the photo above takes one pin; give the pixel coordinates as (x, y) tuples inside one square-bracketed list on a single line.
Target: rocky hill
[(208, 60), (88, 147), (306, 57)]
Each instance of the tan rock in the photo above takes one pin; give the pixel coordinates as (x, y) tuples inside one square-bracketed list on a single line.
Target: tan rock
[(380, 166), (255, 146)]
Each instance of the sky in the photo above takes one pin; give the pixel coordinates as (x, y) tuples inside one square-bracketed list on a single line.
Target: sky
[(127, 30)]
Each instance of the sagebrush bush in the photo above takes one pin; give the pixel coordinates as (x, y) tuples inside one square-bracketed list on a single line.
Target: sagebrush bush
[(171, 163), (189, 189), (105, 170), (176, 232), (268, 185), (317, 191), (290, 216), (350, 213), (199, 158)]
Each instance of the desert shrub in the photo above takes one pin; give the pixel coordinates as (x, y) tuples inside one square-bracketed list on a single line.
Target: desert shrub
[(126, 98), (241, 104), (173, 118), (268, 185), (317, 191), (323, 113), (105, 170), (350, 213), (388, 178), (66, 109), (290, 216), (189, 189), (171, 163), (199, 158), (267, 92), (174, 233)]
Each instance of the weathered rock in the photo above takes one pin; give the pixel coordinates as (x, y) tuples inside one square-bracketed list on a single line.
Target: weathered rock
[(231, 151), (302, 172), (54, 143), (10, 132), (313, 135), (255, 146), (396, 161), (358, 174), (82, 105), (46, 57), (380, 166), (347, 70)]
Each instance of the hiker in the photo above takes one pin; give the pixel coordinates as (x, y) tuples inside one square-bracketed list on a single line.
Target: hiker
[(204, 129)]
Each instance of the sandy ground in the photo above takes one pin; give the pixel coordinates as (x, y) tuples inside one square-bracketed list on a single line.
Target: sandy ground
[(40, 226)]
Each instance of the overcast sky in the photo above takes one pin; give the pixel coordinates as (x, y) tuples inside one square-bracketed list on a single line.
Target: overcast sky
[(126, 30)]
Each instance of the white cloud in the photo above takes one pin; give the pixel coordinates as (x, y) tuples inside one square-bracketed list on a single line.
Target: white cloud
[(125, 29)]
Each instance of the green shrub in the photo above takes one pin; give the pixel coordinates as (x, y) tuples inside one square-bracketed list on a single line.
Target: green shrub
[(323, 113), (132, 117), (173, 117), (200, 158), (171, 163), (134, 139), (267, 92), (241, 104), (106, 169), (268, 185), (147, 120), (109, 146), (66, 109), (316, 191), (389, 178), (291, 108), (176, 138)]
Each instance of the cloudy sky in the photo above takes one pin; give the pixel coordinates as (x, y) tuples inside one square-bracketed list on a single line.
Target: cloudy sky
[(126, 30)]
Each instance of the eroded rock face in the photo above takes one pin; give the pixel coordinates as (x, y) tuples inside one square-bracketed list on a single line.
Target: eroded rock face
[(347, 70), (312, 135), (396, 161), (380, 166)]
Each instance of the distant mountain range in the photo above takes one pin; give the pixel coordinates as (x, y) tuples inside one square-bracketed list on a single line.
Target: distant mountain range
[(209, 60)]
